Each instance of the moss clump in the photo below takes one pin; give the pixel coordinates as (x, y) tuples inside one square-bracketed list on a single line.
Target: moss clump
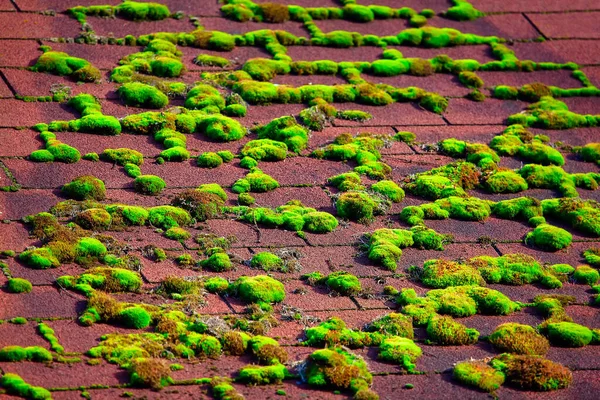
[(462, 10), (339, 369), (402, 351), (568, 334), (216, 285), (590, 152), (110, 280), (18, 353), (263, 150), (519, 339), (259, 289), (465, 208), (267, 261), (586, 274), (592, 256), (291, 216), (359, 206), (343, 283), (389, 189), (549, 238), (85, 187), (286, 130), (393, 324), (177, 233), (150, 372), (256, 375), (521, 208), (385, 246), (18, 285), (442, 273), (348, 181), (334, 332), (447, 332), (583, 215), (255, 181), (479, 375), (222, 128), (16, 386), (39, 258), (96, 219), (59, 63), (505, 182), (202, 205), (218, 261), (166, 217), (137, 94), (434, 102), (149, 184), (135, 317), (209, 160), (123, 156), (532, 372)]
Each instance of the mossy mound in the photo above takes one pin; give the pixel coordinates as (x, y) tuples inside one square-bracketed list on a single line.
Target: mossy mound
[(518, 339), (85, 187)]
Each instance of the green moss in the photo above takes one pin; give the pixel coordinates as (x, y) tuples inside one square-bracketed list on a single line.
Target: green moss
[(428, 239), (583, 215), (267, 261), (16, 386), (586, 274), (385, 246), (166, 217), (521, 208), (590, 152), (211, 61), (175, 153), (319, 222), (59, 63), (479, 375), (255, 181), (209, 160), (462, 10), (18, 321), (256, 375), (518, 339), (201, 204), (346, 181), (568, 334), (393, 324), (286, 130), (18, 285), (203, 96), (470, 79), (177, 233), (222, 128), (85, 187), (358, 206), (213, 188), (343, 283), (389, 189), (135, 317), (39, 258), (217, 262), (150, 372), (447, 332), (137, 94), (434, 103), (18, 353), (549, 238), (354, 115), (532, 372), (592, 256), (123, 156), (216, 285), (41, 156), (402, 351), (338, 369), (149, 184), (465, 208), (263, 150), (96, 219), (259, 289), (443, 273), (505, 181)]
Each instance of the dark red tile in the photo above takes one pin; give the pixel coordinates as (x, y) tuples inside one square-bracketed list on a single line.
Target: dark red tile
[(561, 25), (506, 26), (56, 5), (444, 84), (32, 113), (41, 302), (18, 142), (560, 78), (433, 134), (28, 83), (386, 27), (489, 112), (312, 53), (37, 26), (6, 5), (16, 236), (393, 114), (534, 5), (27, 201), (18, 53), (480, 53), (237, 28), (119, 27)]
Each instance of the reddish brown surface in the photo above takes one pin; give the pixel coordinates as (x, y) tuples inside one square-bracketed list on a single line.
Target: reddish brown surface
[(572, 28)]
